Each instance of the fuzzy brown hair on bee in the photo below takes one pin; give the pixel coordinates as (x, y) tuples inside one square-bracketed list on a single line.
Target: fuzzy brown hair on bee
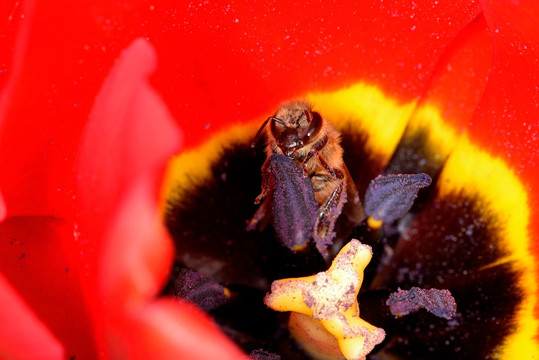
[(303, 135)]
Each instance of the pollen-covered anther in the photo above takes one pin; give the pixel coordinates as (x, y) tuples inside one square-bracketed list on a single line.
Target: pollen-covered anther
[(325, 312)]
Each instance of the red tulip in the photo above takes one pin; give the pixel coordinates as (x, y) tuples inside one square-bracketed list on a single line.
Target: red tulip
[(93, 97)]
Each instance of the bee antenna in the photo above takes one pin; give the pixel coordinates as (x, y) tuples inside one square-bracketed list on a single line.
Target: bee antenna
[(253, 144), (304, 112)]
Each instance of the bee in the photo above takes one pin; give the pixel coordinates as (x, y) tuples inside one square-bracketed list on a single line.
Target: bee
[(301, 134)]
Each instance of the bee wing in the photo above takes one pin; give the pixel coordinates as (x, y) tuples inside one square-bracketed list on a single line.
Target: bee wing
[(261, 218)]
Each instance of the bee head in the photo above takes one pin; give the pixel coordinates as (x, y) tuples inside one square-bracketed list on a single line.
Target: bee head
[(293, 126)]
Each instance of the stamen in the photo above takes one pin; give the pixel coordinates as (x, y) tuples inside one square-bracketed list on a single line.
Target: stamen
[(439, 302), (390, 197), (201, 290)]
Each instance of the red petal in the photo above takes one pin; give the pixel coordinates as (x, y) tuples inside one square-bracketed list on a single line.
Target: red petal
[(510, 106), (38, 257), (137, 253), (461, 74), (22, 334), (170, 330), (305, 46), (506, 122), (3, 210)]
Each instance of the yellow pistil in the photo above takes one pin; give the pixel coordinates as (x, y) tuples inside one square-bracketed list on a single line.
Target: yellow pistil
[(324, 307)]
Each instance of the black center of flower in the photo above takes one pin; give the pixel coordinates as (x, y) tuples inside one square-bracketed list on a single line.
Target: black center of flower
[(442, 242)]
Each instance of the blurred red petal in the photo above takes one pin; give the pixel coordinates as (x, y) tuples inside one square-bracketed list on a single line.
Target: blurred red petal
[(137, 253), (3, 210), (62, 52), (39, 258), (167, 329), (22, 334), (130, 133), (128, 140)]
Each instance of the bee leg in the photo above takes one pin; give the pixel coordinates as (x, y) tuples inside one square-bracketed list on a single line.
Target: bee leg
[(353, 210), (315, 151), (262, 216), (266, 186), (335, 173), (327, 217), (304, 163)]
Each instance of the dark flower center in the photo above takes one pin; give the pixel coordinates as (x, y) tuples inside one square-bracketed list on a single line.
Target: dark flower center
[(446, 242)]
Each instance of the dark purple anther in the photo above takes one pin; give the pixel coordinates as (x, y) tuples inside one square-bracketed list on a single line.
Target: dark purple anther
[(263, 355), (200, 289), (294, 207), (390, 197), (439, 302)]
